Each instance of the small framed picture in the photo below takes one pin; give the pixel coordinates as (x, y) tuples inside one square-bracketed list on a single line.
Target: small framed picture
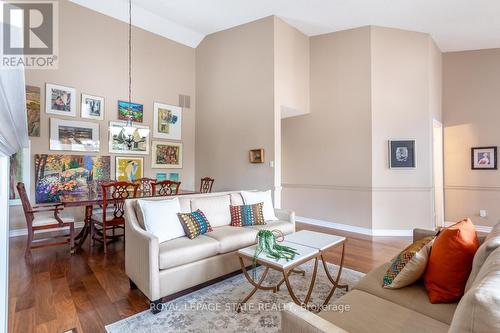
[(74, 135), (92, 107), (256, 156), (167, 155), (129, 169), (60, 100), (126, 109), (402, 154), (167, 121), (484, 158), (161, 176)]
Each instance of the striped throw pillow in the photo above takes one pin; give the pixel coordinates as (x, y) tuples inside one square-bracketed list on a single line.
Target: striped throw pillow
[(194, 223), (246, 215)]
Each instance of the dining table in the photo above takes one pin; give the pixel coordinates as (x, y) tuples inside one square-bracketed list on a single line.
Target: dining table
[(91, 199)]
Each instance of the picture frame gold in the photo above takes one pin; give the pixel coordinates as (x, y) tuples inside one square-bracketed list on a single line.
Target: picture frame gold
[(256, 156)]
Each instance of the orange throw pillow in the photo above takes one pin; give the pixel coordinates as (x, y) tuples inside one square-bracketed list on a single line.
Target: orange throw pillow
[(450, 262)]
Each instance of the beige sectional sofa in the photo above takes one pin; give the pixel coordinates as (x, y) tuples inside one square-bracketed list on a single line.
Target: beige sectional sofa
[(162, 269), (374, 309)]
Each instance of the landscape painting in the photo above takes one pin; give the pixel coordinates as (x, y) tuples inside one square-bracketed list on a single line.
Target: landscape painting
[(67, 174), (167, 155), (74, 135), (33, 110), (125, 109)]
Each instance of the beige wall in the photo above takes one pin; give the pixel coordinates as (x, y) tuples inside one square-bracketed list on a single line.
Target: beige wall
[(93, 59), (401, 109), (235, 105), (368, 85), (471, 104), (326, 154)]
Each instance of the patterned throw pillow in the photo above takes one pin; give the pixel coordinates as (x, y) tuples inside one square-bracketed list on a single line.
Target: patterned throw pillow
[(194, 223), (409, 265), (246, 215)]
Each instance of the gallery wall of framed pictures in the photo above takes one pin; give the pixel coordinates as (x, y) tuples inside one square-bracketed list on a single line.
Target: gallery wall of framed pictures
[(75, 125)]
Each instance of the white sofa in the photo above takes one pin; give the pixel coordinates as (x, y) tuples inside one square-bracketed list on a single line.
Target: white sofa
[(163, 269)]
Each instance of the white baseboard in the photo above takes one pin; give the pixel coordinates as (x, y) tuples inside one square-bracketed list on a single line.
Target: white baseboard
[(24, 232), (480, 228), (354, 229)]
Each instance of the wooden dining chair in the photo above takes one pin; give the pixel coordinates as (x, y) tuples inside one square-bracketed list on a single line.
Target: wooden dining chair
[(206, 185), (111, 217), (36, 221), (145, 186), (166, 188)]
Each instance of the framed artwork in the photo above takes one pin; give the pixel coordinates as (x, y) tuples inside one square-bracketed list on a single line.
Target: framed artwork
[(167, 121), (161, 176), (484, 158), (167, 155), (92, 107), (60, 100), (402, 154), (256, 156), (129, 169), (174, 176), (60, 174), (117, 137), (124, 109), (20, 171), (74, 135), (33, 110)]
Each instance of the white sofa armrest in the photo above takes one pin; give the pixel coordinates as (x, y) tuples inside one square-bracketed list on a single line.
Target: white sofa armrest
[(285, 215), (296, 319), (141, 255)]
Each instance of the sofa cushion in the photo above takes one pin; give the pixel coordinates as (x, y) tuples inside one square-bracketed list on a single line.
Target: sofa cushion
[(371, 314), (183, 250), (194, 224), (284, 226), (160, 218), (253, 197), (479, 309), (490, 244), (409, 265), (185, 204), (236, 199), (233, 238), (450, 262), (215, 208), (413, 297), (247, 215)]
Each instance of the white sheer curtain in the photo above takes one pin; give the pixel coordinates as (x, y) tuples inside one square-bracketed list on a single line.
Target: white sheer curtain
[(13, 124)]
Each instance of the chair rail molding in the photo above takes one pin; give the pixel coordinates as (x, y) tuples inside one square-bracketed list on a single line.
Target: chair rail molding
[(360, 188), (472, 188)]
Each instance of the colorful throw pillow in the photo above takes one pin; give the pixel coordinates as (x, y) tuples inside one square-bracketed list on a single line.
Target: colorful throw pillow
[(450, 262), (409, 265), (246, 215), (194, 223)]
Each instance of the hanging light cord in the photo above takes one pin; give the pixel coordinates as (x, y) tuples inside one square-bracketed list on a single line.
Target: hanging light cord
[(130, 59)]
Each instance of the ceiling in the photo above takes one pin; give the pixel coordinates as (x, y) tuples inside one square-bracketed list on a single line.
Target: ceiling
[(455, 25)]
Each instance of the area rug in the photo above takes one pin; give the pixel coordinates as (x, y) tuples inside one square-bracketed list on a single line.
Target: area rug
[(212, 309)]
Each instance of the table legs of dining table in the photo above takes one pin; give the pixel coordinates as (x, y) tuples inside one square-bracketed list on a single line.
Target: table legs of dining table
[(83, 234), (335, 281)]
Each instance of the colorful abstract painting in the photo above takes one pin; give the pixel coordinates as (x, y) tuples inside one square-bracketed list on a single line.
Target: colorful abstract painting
[(126, 108), (66, 174), (167, 155), (167, 121), (129, 169), (33, 110)]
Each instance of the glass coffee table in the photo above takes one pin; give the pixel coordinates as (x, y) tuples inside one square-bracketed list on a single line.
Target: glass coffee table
[(310, 245)]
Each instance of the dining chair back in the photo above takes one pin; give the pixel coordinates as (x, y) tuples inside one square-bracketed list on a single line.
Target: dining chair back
[(206, 185), (166, 188), (145, 186)]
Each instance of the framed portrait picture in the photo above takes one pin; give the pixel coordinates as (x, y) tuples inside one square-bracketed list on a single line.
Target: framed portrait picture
[(167, 121), (60, 100), (256, 156), (117, 136), (402, 154), (167, 155), (74, 135), (125, 109), (20, 171), (129, 169), (484, 158), (92, 107), (33, 110)]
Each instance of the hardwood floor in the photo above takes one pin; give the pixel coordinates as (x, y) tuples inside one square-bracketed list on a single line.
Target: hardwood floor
[(56, 292)]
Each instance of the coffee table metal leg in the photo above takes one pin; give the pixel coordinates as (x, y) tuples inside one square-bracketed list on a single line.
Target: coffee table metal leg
[(311, 285), (252, 282), (256, 287), (337, 279), (297, 271)]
